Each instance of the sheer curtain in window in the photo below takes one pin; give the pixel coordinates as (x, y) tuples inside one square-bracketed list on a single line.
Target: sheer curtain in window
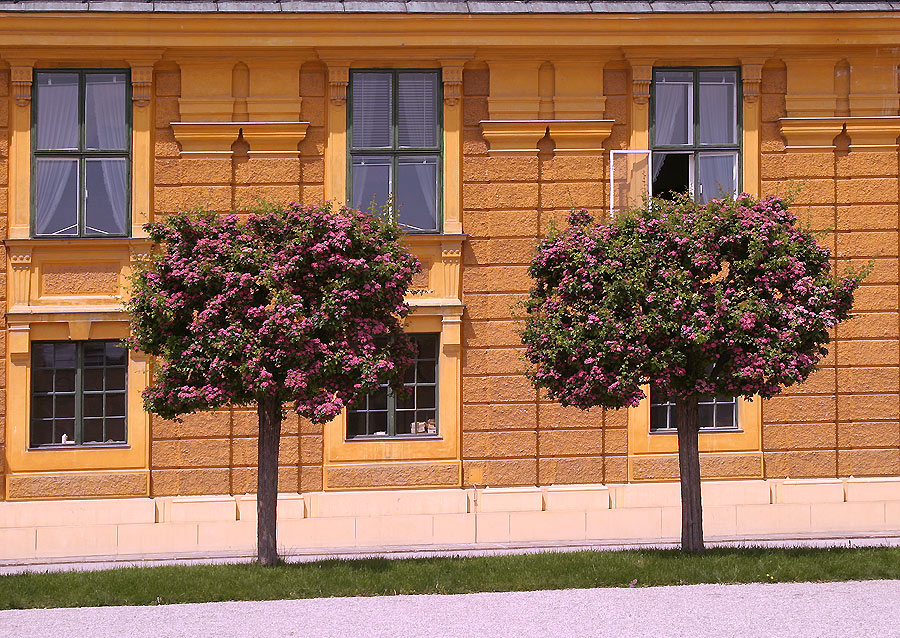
[(105, 129), (673, 113)]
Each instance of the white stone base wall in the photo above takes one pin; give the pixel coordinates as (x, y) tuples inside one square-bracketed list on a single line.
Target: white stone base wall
[(421, 519)]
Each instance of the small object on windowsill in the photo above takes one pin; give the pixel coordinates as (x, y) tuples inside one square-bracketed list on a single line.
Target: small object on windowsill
[(430, 427), (65, 440), (381, 433)]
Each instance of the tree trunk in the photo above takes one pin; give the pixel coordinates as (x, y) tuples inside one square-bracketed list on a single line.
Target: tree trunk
[(269, 412), (688, 414)]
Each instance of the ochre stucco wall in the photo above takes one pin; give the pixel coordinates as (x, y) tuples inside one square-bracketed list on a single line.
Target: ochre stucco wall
[(843, 421)]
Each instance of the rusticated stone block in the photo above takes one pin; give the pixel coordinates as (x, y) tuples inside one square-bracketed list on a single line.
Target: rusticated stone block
[(573, 194), (798, 409), (494, 361), (771, 108), (166, 109), (496, 279), (869, 462), (563, 168), (486, 252), (875, 352), (867, 244), (267, 170), (615, 469), (870, 325), (311, 195), (615, 441), (312, 83), (187, 482), (570, 442), (478, 334), (77, 485), (196, 425), (712, 466), (867, 190), (494, 224), (474, 142), (819, 382), (476, 82), (249, 196), (512, 444), (167, 83), (502, 472), (475, 111), (819, 219), (190, 453), (774, 80), (511, 389), (616, 109), (862, 380), (244, 451), (385, 474), (857, 164), (554, 415), (615, 82), (172, 199), (500, 169), (799, 435), (865, 407), (164, 144), (570, 470), (312, 171), (800, 464), (504, 416), (500, 196), (311, 449), (770, 140), (313, 111), (310, 478), (499, 306), (869, 435)]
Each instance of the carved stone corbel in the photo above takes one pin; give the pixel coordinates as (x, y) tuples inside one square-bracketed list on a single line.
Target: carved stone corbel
[(641, 77), (451, 256), (751, 77), (452, 78), (20, 261), (141, 85), (338, 79), (20, 76)]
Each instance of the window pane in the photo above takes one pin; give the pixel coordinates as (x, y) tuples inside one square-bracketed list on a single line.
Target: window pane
[(93, 405), (56, 196), (673, 107), (717, 175), (65, 406), (64, 355), (115, 405), (416, 197), (404, 422), (65, 380), (57, 111), (94, 354), (356, 423), (425, 372), (115, 430), (718, 113), (104, 112), (406, 400), (41, 432), (64, 427), (42, 408), (725, 415), (425, 396), (417, 99), (378, 399), (42, 355), (105, 182), (93, 379), (671, 174), (42, 381), (371, 181), (706, 416), (372, 110), (116, 354), (115, 379), (378, 423), (93, 431), (659, 417)]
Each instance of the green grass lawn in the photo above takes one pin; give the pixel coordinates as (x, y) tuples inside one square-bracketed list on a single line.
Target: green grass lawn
[(378, 577)]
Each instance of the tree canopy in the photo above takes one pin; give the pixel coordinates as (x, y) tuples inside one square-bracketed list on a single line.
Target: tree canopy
[(303, 304), (731, 297)]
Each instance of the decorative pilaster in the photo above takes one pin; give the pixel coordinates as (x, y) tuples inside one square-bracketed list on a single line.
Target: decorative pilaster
[(641, 77), (451, 258)]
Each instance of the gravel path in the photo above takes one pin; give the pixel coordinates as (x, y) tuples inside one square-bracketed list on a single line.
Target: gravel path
[(794, 610)]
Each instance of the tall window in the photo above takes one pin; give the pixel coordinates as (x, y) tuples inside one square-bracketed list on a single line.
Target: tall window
[(78, 393), (695, 132), (395, 145), (81, 153), (696, 150), (382, 413)]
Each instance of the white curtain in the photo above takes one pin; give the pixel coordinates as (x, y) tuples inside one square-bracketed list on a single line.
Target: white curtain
[(672, 116), (106, 118), (53, 176), (57, 106), (717, 175)]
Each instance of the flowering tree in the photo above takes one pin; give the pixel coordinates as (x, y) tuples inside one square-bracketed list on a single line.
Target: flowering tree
[(297, 304), (725, 298)]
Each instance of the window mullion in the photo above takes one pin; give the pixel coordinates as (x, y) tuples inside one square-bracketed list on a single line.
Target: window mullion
[(391, 412)]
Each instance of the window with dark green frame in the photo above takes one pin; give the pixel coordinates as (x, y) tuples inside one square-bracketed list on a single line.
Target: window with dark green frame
[(394, 119), (81, 153), (78, 393), (696, 145), (695, 132), (414, 413)]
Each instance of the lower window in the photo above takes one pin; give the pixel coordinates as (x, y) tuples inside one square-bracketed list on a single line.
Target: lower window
[(717, 412), (382, 414), (78, 393)]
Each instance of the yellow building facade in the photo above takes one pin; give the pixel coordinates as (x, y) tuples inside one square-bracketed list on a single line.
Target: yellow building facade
[(538, 107)]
